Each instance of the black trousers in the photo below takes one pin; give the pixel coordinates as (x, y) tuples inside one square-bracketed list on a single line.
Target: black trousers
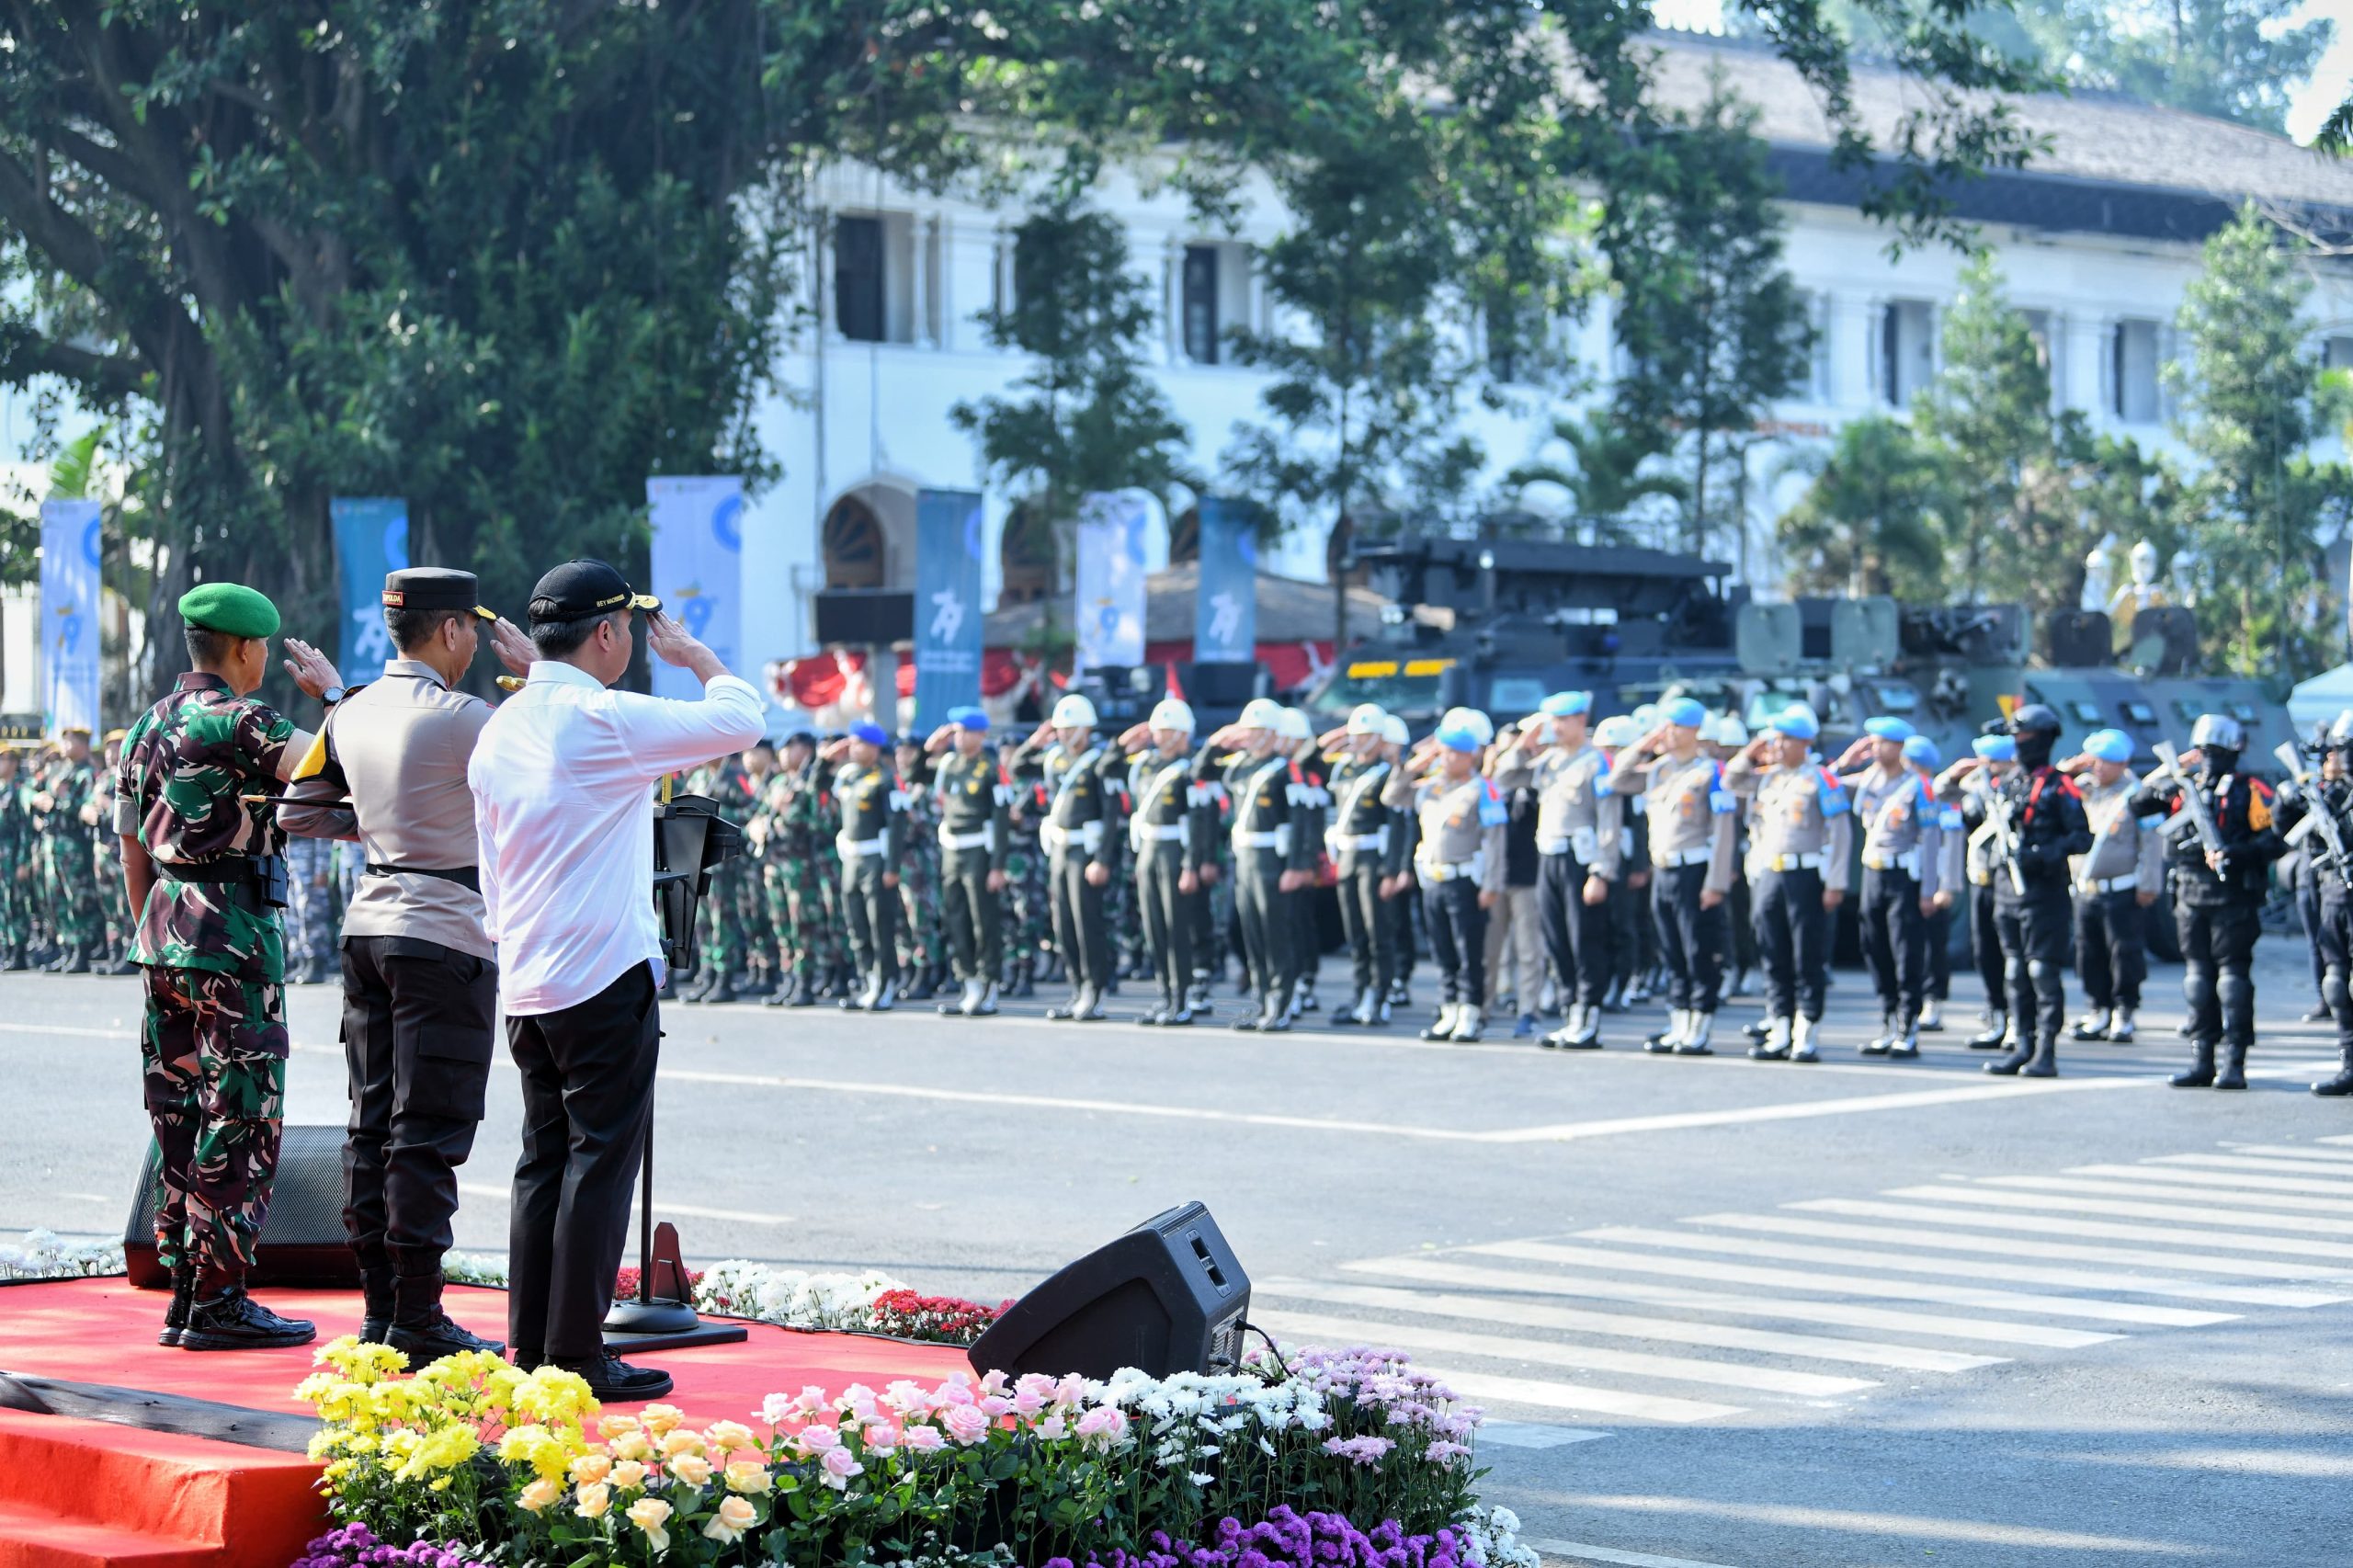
[(1263, 910), (1576, 934), (1694, 942), (2217, 953), (872, 915), (974, 917), (587, 1102), (1167, 923), (2109, 960), (1457, 938), (1985, 949), (2033, 932), (1306, 937), (1895, 942), (418, 1022), (1794, 939), (1407, 931), (1081, 933), (2308, 912), (2333, 943), (1366, 917), (1936, 931), (1740, 917)]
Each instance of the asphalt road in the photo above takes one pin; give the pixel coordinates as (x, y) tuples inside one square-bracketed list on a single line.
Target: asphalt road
[(1724, 1312)]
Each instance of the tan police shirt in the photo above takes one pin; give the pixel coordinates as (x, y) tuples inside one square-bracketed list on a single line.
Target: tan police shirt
[(2123, 845), (1576, 813), (1797, 817), (1691, 815), (1462, 826)]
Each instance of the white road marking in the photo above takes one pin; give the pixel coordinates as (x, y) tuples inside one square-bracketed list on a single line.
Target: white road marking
[(662, 1206), (1534, 1435), (1980, 1532), (2258, 1164), (1581, 1551), (1800, 1110), (1969, 1268), (1993, 1331), (1577, 1358), (1713, 1270), (2341, 1158), (2211, 1204), (1525, 1392), (2310, 1225), (1626, 1325), (2019, 1246), (2222, 1181), (2053, 1226)]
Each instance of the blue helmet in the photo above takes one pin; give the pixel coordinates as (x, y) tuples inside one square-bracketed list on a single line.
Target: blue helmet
[(973, 719), (870, 732), (1889, 728), (1921, 751), (1685, 713), (2109, 745)]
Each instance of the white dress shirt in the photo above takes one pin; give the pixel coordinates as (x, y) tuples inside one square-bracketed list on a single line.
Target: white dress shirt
[(562, 781)]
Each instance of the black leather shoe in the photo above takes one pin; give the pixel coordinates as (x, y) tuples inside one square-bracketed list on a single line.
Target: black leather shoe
[(428, 1341), (2232, 1074), (376, 1287), (612, 1380), (231, 1320), (175, 1315)]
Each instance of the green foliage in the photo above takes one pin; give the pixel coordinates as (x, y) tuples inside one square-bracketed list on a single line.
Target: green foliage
[(1609, 474), (1713, 328), (1866, 524), (2234, 59)]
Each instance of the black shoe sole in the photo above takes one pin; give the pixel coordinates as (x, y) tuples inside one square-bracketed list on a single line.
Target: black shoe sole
[(631, 1396), (194, 1340)]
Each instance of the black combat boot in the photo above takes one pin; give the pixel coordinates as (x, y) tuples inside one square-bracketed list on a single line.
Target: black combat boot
[(222, 1317), (77, 960), (2017, 1056), (614, 1380), (423, 1331), (1025, 978), (2199, 1073), (2044, 1062), (2233, 1075), (183, 1296), (376, 1287), (2343, 1083)]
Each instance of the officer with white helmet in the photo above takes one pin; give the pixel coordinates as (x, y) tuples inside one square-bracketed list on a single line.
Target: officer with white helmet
[(1083, 791), (1298, 740), (1578, 823), (974, 839), (2115, 881), (1805, 832), (1397, 887), (1272, 858), (2218, 893), (1367, 843), (2331, 923), (1172, 836), (1460, 863), (1690, 824)]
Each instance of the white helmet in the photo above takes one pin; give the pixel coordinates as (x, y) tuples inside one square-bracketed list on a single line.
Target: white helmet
[(1618, 729), (1261, 713), (1366, 719), (1073, 712), (1646, 717), (1292, 725), (1727, 731), (1394, 731), (1173, 715), (1470, 719)]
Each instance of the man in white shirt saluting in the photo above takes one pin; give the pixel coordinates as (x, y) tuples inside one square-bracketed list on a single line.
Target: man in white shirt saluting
[(562, 781)]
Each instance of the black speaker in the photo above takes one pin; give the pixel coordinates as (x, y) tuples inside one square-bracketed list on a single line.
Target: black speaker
[(303, 1239), (865, 617), (1168, 1297), (2080, 638)]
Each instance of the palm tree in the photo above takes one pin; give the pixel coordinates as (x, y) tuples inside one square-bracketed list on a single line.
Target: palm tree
[(1605, 478), (1865, 525)]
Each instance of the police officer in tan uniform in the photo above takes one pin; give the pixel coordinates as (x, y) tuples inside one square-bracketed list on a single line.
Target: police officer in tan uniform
[(1900, 817), (1802, 827), (2115, 885), (1460, 863), (1578, 821), (1981, 863), (1691, 824)]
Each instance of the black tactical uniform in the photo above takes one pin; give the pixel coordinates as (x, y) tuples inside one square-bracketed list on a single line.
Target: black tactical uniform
[(1083, 794), (2033, 914), (1271, 800), (1368, 842)]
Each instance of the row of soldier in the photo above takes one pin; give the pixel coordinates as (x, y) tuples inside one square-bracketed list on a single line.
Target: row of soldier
[(62, 905)]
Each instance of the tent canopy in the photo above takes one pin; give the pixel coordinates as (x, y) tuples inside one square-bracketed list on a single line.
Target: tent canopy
[(2322, 698)]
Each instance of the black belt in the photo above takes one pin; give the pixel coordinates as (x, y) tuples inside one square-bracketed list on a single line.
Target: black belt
[(467, 877), (239, 869)]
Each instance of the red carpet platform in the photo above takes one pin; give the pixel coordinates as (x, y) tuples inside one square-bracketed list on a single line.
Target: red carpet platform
[(133, 1454)]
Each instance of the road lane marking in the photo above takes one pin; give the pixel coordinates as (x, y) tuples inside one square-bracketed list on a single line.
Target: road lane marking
[(2050, 1225), (1715, 1270), (1577, 1358), (2202, 1200), (1626, 1325), (1984, 1532), (1967, 1268), (2308, 1225), (1994, 1331), (2020, 1246), (1799, 1111), (2342, 1158), (1582, 1551), (2252, 1163), (2222, 1181), (661, 1205), (1491, 1391)]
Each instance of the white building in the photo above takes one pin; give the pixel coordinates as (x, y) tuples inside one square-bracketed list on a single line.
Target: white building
[(2097, 241)]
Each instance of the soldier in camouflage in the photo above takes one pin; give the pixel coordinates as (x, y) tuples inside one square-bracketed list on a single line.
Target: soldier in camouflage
[(760, 963), (199, 843), (15, 866), (71, 901), (795, 830), (1027, 922), (723, 782), (923, 939), (113, 956)]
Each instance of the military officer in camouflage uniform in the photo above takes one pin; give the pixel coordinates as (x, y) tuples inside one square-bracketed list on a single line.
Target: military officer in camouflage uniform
[(1083, 792), (1804, 832), (723, 782), (872, 842), (17, 891), (113, 956), (922, 938), (201, 862), (72, 902), (762, 973), (794, 828), (975, 838)]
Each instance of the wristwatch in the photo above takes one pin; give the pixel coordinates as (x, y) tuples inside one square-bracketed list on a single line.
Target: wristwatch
[(332, 695)]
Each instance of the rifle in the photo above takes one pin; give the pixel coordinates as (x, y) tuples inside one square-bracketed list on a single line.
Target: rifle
[(2001, 830), (2194, 812), (2320, 817)]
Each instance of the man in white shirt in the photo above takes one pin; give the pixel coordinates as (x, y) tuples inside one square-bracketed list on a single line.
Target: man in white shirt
[(562, 781)]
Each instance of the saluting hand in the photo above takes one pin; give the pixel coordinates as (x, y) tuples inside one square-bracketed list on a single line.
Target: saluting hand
[(512, 646), (1097, 874), (670, 641), (312, 670)]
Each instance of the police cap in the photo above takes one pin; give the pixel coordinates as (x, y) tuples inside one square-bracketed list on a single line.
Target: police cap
[(435, 588)]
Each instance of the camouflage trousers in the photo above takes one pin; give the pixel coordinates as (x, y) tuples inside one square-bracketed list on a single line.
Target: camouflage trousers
[(212, 1052), (722, 924), (310, 895), (804, 916), (751, 905), (923, 939), (117, 926), (69, 890), (16, 899), (1028, 923)]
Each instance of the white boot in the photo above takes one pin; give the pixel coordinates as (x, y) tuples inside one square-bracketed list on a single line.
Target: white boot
[(1468, 1023), (2120, 1027), (1442, 1026), (1677, 1025), (1571, 1026), (983, 1003), (1695, 1035), (1801, 1041), (1775, 1046), (973, 991)]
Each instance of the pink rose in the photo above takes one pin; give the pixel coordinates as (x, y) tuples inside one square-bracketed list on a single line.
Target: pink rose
[(923, 1439), (839, 1467), (882, 1437), (964, 1423), (817, 1440), (1053, 1428)]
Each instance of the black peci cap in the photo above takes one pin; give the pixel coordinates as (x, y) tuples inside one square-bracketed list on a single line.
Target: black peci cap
[(584, 588), (435, 588)]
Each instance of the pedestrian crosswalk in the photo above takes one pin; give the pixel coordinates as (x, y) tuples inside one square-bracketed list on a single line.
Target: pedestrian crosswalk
[(1825, 1302)]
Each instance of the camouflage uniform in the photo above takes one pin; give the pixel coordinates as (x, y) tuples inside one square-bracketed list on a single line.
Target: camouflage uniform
[(16, 873), (1028, 922), (66, 887), (804, 876), (213, 1048), (922, 941), (724, 950), (310, 926), (106, 871)]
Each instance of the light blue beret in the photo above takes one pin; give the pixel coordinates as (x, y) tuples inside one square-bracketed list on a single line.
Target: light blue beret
[(1797, 723), (2109, 745), (1888, 728), (1685, 712), (1565, 704), (1995, 748), (1921, 751)]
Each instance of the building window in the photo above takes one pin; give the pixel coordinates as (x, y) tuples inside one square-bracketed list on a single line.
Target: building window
[(2336, 353), (1817, 386), (1200, 303), (858, 278), (852, 542), (1907, 350), (2132, 372)]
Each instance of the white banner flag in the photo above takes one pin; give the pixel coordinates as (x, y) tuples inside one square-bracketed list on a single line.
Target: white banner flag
[(69, 614), (699, 569), (1111, 578)]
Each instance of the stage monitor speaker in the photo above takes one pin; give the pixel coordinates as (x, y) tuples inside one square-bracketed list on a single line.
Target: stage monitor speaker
[(1168, 1297), (303, 1239)]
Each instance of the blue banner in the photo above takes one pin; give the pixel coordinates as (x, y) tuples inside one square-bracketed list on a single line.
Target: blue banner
[(699, 569), (947, 604), (1112, 579), (70, 544), (370, 539), (1225, 610)]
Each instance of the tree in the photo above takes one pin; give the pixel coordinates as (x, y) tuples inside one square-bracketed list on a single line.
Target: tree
[(2233, 59), (1866, 524), (2007, 506), (1713, 328), (1609, 474), (1092, 418), (2248, 411)]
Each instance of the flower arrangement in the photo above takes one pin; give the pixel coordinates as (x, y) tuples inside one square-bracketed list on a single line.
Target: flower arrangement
[(44, 1255), (356, 1546), (946, 1320), (472, 1450), (738, 1288)]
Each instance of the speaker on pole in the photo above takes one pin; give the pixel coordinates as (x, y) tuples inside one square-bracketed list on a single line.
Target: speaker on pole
[(1168, 1297), (302, 1240)]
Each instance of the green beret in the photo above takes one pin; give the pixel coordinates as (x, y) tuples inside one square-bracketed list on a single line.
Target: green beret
[(230, 609)]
